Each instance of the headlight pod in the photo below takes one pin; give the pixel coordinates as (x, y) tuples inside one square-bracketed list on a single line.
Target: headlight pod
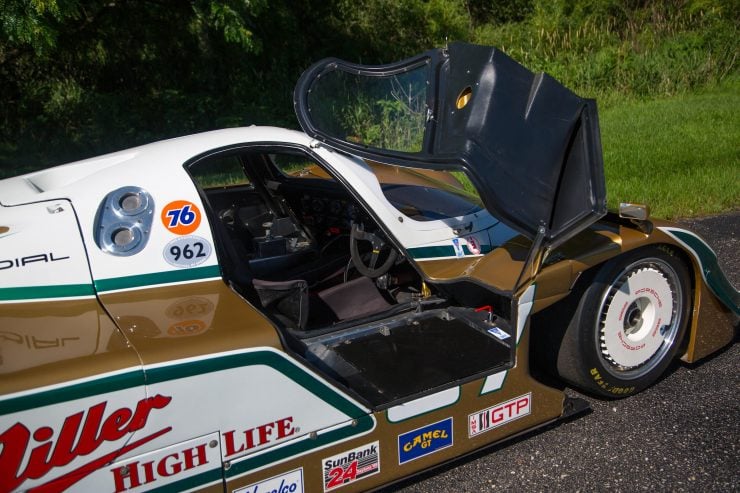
[(124, 221)]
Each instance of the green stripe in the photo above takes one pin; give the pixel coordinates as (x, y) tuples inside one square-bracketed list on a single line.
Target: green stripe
[(443, 251), (365, 423), (199, 480), (102, 385), (270, 359), (710, 269), (154, 278), (362, 421), (182, 370), (40, 292), (289, 370)]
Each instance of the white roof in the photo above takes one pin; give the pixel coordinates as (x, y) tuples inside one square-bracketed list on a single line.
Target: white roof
[(148, 162)]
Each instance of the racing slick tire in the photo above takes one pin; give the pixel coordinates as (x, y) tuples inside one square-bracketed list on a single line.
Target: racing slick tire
[(629, 324)]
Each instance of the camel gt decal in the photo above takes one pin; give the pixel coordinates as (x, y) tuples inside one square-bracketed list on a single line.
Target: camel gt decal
[(30, 454), (181, 217), (351, 466), (424, 441)]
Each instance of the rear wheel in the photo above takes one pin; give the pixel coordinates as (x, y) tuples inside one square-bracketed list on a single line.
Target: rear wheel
[(629, 324)]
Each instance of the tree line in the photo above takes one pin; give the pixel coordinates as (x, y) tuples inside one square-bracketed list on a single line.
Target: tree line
[(79, 78)]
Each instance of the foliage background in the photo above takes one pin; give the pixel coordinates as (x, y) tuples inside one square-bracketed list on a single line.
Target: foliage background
[(80, 78)]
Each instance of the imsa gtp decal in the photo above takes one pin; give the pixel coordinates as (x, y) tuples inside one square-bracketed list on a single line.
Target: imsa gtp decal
[(425, 440), (353, 465), (499, 415)]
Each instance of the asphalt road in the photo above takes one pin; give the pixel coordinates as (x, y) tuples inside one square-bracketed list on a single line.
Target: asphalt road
[(682, 434)]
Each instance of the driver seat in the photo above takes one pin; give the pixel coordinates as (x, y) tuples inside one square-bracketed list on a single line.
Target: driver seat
[(354, 299)]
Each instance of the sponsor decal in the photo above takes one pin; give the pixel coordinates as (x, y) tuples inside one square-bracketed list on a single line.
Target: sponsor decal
[(18, 262), (353, 465), (26, 454), (499, 415), (473, 245), (181, 217), (424, 441), (138, 473), (290, 482), (187, 251), (458, 248), (498, 333), (238, 443)]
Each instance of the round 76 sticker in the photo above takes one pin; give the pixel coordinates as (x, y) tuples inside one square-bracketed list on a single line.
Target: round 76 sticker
[(187, 251), (181, 217)]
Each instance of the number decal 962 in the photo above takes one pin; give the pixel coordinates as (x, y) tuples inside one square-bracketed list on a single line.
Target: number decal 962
[(187, 251)]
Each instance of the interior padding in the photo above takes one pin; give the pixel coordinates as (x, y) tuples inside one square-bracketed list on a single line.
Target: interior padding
[(354, 299)]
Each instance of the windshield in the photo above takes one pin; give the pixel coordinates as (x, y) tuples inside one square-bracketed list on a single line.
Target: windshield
[(386, 111), (425, 195)]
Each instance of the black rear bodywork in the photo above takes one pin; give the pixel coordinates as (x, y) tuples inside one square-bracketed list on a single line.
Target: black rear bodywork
[(531, 147)]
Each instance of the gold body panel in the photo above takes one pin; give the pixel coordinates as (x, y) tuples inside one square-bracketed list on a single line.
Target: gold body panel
[(44, 343)]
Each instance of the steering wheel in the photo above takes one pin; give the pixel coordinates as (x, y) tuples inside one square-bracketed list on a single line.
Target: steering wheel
[(370, 270)]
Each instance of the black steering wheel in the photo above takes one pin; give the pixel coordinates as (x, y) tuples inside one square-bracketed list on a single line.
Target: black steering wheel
[(370, 270)]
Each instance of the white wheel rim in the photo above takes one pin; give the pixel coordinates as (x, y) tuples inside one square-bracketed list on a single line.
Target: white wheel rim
[(638, 319)]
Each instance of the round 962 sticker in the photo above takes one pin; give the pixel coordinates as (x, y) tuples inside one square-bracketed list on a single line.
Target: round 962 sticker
[(187, 251)]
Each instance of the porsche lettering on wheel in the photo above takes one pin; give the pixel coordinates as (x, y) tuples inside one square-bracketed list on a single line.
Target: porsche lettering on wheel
[(640, 316), (261, 309), (629, 324)]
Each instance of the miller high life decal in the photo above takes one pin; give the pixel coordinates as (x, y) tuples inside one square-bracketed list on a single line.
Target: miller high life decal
[(31, 454), (165, 466), (499, 415), (236, 444), (351, 466)]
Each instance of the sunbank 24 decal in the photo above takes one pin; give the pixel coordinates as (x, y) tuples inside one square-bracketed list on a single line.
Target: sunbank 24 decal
[(353, 465)]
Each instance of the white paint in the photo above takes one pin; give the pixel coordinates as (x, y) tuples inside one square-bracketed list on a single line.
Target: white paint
[(524, 307), (158, 468), (290, 482), (423, 405), (494, 382), (227, 400), (158, 169), (43, 246)]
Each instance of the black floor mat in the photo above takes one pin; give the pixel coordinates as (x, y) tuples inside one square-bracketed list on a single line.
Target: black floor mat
[(407, 357)]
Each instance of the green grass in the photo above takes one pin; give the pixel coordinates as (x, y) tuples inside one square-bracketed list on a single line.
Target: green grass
[(679, 155)]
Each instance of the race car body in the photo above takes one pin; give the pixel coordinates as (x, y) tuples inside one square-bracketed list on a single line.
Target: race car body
[(262, 309)]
